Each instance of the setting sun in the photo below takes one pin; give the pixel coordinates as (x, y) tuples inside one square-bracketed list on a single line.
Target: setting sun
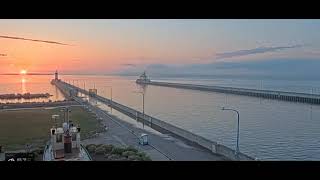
[(23, 72)]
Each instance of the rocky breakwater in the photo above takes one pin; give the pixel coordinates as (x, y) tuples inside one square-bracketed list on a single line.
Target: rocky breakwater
[(25, 96)]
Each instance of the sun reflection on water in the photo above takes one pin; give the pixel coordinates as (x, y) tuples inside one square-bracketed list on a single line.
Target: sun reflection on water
[(23, 85)]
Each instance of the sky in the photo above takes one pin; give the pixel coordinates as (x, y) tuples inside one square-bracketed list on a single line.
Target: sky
[(122, 46)]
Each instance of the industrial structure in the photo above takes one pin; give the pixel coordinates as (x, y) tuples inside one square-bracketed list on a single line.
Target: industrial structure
[(64, 144)]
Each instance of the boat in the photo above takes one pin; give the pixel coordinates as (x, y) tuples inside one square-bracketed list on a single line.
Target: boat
[(65, 144), (143, 78)]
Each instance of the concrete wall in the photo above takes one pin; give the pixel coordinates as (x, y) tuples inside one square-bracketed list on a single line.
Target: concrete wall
[(269, 94), (208, 144), (194, 138)]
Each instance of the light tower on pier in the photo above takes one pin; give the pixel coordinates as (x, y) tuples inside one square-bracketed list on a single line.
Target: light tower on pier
[(56, 75)]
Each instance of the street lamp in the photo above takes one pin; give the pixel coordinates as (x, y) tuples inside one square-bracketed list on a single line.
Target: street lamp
[(142, 105), (227, 109), (110, 92), (110, 96)]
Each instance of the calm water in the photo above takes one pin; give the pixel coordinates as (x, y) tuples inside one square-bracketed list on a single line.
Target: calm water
[(28, 84), (269, 129)]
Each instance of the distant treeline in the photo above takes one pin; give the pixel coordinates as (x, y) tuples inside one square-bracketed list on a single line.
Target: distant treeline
[(24, 96)]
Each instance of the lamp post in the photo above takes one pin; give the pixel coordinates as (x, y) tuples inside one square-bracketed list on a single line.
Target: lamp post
[(110, 96), (228, 109), (142, 105)]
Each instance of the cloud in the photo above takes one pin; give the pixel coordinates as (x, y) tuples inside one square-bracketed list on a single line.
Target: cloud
[(253, 51), (277, 68), (131, 65), (36, 40), (157, 66)]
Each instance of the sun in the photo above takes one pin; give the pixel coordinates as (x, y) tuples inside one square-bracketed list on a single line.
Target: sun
[(23, 72)]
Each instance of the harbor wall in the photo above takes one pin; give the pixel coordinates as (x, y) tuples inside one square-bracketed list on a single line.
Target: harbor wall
[(268, 94)]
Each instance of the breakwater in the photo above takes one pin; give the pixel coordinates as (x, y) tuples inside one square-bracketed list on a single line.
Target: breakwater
[(24, 96), (268, 94)]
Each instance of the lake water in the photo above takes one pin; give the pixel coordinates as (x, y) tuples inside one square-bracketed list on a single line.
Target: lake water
[(10, 84), (269, 129)]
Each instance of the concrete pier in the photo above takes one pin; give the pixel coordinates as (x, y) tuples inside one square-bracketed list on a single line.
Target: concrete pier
[(157, 124), (268, 94)]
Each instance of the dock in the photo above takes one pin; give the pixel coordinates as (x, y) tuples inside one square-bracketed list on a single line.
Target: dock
[(268, 94), (154, 123)]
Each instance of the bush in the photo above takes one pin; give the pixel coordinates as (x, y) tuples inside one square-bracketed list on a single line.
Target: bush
[(113, 153), (131, 148), (117, 150), (128, 153), (108, 148), (91, 148), (97, 145), (113, 157), (143, 156), (100, 150), (134, 157)]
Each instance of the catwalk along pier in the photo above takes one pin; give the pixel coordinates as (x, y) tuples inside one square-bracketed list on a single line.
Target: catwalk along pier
[(268, 94)]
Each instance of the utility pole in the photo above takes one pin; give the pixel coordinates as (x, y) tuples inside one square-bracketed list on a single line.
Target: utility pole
[(142, 106), (111, 99)]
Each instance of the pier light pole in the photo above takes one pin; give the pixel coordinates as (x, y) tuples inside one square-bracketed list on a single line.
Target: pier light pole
[(142, 105), (110, 92), (110, 96), (228, 109)]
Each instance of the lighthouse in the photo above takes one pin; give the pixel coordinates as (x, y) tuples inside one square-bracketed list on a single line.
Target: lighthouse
[(56, 75)]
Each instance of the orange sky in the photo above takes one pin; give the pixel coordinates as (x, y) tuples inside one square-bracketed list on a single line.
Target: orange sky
[(104, 46), (41, 57), (99, 45)]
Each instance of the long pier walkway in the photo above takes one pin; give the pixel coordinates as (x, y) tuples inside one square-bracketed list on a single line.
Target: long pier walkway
[(195, 140), (269, 94)]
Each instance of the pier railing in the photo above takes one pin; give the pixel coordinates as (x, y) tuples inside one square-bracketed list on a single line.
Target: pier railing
[(158, 124)]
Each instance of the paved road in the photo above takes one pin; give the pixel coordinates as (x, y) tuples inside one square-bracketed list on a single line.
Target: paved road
[(161, 147)]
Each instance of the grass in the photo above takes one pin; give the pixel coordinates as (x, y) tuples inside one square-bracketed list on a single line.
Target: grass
[(17, 128)]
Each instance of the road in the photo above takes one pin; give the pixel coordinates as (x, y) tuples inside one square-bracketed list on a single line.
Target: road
[(161, 147)]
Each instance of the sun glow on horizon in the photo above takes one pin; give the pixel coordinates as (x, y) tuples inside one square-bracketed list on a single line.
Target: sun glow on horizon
[(23, 72)]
